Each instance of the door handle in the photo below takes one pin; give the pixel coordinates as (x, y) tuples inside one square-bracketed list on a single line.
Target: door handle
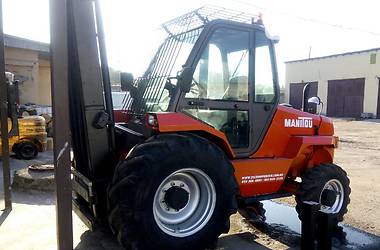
[(267, 107)]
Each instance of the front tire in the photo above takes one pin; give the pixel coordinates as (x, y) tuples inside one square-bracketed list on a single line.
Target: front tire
[(174, 191), (26, 150), (317, 184)]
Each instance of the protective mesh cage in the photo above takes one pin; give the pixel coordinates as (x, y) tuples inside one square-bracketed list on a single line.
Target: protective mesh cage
[(183, 32), (203, 15)]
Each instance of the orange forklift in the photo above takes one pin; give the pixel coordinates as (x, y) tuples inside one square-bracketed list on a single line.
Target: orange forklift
[(202, 134)]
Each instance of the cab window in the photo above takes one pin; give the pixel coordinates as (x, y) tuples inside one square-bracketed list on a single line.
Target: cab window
[(264, 84), (222, 71)]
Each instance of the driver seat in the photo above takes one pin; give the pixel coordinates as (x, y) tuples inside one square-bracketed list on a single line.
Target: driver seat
[(238, 89)]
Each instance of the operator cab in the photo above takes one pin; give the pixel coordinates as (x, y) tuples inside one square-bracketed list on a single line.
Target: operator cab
[(216, 68)]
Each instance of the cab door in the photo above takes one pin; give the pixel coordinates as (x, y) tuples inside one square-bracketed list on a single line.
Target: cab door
[(223, 93), (265, 87)]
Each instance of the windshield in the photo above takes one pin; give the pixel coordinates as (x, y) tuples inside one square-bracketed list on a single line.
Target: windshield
[(155, 88)]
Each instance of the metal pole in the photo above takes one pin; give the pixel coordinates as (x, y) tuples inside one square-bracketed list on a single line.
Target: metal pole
[(4, 120), (60, 98), (324, 234), (309, 220), (105, 74)]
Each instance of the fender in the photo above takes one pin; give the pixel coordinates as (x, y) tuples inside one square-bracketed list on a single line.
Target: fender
[(309, 151), (171, 122)]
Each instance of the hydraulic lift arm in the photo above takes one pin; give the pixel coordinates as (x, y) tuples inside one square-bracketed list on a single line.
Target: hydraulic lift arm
[(90, 104), (91, 111)]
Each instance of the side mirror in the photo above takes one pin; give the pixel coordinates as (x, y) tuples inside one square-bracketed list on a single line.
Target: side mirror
[(316, 101), (126, 80), (184, 78), (10, 77)]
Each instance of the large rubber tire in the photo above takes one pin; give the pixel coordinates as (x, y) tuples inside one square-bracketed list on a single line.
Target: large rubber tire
[(26, 150), (313, 184), (136, 181)]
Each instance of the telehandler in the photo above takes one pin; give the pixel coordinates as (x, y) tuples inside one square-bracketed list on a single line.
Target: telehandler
[(202, 134)]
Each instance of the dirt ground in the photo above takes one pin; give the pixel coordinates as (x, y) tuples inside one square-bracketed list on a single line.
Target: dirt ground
[(359, 155)]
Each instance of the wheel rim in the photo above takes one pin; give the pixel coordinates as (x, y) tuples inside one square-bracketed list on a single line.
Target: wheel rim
[(337, 187), (184, 202)]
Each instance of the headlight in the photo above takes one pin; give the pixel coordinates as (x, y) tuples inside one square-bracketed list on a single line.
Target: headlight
[(152, 120)]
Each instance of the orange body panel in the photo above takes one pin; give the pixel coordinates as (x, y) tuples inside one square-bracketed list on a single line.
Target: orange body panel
[(294, 141), (276, 141), (260, 176), (179, 122)]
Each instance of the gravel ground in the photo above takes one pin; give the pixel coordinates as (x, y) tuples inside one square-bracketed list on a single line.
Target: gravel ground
[(31, 224), (359, 155)]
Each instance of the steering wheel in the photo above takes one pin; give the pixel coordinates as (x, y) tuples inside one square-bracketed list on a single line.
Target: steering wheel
[(196, 82), (231, 125)]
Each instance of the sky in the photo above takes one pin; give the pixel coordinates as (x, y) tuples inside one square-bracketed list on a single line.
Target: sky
[(318, 27)]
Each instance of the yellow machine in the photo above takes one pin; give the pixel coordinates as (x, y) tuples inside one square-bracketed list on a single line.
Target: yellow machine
[(27, 135), (31, 138)]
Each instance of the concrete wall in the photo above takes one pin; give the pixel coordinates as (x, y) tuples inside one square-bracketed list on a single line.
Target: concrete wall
[(356, 65), (27, 64), (44, 83)]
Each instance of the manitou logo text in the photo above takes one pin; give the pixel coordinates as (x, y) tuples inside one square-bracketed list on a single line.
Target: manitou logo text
[(301, 122)]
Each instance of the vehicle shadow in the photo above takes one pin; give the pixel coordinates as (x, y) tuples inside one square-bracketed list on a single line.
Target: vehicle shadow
[(98, 240), (103, 240), (245, 240)]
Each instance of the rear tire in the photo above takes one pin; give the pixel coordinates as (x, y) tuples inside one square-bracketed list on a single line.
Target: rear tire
[(154, 187), (26, 150), (325, 177)]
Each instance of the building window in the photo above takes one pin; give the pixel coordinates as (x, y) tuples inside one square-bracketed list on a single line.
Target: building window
[(372, 59)]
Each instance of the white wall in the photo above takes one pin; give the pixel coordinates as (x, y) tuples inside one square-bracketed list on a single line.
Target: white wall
[(350, 66), (37, 88)]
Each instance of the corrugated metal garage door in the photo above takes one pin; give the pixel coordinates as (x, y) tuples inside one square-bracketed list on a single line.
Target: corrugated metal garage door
[(296, 89), (345, 98)]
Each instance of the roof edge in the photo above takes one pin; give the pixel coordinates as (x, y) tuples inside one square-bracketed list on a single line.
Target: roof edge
[(333, 55), (24, 43)]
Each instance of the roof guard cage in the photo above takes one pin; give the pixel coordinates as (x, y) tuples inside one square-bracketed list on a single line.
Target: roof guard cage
[(203, 15), (182, 30)]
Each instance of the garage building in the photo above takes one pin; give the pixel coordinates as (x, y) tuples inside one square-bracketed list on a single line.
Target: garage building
[(348, 83), (29, 61)]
